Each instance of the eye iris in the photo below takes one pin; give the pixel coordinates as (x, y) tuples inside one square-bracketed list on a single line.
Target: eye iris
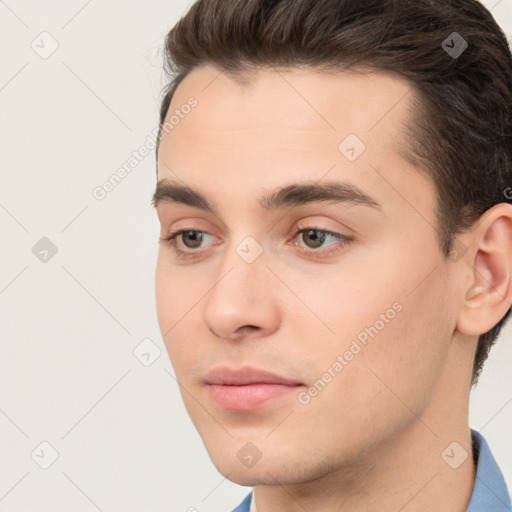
[(318, 240), (196, 237)]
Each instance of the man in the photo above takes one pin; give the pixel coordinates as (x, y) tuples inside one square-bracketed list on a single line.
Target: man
[(336, 258)]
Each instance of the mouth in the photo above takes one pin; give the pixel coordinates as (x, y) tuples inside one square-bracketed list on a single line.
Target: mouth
[(247, 388)]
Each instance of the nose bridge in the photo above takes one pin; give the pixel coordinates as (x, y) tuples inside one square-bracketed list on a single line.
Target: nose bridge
[(243, 272), (241, 295)]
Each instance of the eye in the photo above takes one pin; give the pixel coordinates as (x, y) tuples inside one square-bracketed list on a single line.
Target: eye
[(193, 237), (315, 237)]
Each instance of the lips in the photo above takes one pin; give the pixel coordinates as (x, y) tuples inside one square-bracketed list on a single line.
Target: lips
[(246, 388), (244, 376)]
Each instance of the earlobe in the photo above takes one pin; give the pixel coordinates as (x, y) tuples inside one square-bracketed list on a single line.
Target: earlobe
[(489, 296)]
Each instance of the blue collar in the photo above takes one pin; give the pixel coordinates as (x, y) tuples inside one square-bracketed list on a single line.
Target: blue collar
[(244, 506), (490, 491)]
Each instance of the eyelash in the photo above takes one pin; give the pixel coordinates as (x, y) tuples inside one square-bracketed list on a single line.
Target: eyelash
[(171, 241)]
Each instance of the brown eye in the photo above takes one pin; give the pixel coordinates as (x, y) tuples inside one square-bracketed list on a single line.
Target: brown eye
[(313, 242), (189, 239), (195, 237), (316, 237)]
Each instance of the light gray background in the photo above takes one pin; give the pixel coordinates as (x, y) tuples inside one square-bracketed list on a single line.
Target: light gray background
[(70, 325)]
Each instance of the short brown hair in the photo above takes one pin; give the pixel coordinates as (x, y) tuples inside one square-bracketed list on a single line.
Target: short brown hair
[(461, 130)]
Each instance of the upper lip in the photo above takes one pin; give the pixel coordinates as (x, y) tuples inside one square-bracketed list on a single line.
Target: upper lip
[(246, 375)]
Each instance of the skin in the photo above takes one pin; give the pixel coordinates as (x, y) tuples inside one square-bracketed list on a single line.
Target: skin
[(372, 439)]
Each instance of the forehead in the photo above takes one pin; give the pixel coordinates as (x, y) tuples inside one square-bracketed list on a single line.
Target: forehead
[(310, 99), (280, 125), (296, 108)]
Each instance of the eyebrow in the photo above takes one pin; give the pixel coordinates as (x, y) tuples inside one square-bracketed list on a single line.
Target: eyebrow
[(296, 194)]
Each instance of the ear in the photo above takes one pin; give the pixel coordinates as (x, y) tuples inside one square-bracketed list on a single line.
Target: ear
[(487, 282)]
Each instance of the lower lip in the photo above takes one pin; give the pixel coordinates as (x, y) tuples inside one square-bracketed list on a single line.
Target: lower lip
[(246, 398)]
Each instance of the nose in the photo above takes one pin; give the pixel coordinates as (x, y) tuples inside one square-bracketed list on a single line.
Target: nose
[(242, 302)]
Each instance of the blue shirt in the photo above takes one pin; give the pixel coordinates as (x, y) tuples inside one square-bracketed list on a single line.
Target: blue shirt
[(490, 493)]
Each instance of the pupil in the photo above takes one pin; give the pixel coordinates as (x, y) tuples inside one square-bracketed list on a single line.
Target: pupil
[(319, 240)]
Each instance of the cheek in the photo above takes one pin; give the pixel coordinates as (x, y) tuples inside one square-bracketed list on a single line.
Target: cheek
[(390, 325), (175, 292), (418, 346), (174, 308), (387, 369)]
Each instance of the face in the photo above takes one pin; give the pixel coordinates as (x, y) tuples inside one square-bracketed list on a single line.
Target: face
[(336, 285)]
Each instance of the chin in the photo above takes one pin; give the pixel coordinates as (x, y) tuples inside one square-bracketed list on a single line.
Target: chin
[(248, 478), (271, 470), (231, 465)]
